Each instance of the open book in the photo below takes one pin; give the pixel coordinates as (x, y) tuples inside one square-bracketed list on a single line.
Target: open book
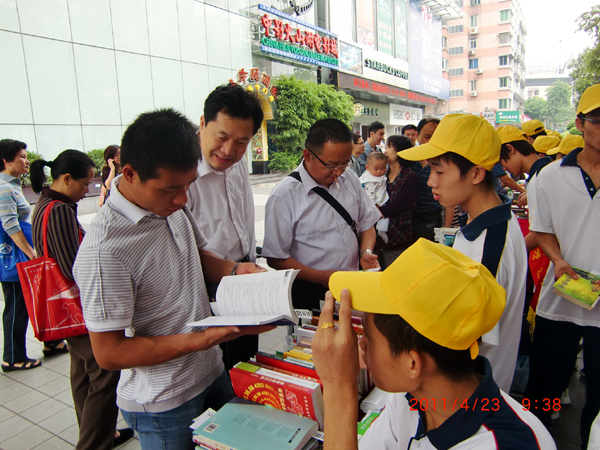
[(253, 299)]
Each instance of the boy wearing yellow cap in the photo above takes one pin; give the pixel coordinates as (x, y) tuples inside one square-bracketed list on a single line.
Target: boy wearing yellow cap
[(533, 129), (566, 223), (461, 154), (423, 317), (569, 143)]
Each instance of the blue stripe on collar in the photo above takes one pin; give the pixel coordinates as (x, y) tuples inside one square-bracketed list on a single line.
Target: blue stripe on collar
[(537, 166), (494, 216), (571, 158)]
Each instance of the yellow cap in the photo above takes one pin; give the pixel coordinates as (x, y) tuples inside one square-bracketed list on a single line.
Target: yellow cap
[(443, 294), (544, 143), (533, 127), (509, 133), (554, 133), (590, 100), (569, 142), (467, 135)]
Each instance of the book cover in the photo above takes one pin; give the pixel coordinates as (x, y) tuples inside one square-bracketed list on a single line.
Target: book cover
[(585, 291), (287, 372), (296, 396), (243, 425), (302, 367), (253, 299)]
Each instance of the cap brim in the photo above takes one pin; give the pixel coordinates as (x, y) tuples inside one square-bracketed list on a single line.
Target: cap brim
[(365, 289), (552, 151), (589, 108), (421, 152)]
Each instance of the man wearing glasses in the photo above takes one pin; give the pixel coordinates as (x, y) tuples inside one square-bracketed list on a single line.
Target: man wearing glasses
[(305, 230), (567, 214)]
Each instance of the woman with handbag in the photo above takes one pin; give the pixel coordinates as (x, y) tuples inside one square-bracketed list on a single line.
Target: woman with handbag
[(15, 247), (93, 388)]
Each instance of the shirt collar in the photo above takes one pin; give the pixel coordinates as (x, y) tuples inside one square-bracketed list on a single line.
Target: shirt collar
[(571, 158), (498, 214), (465, 422), (9, 178), (129, 210), (204, 168), (309, 182), (55, 195), (538, 165)]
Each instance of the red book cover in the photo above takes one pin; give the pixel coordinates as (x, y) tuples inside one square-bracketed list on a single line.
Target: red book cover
[(287, 396), (280, 362), (286, 372)]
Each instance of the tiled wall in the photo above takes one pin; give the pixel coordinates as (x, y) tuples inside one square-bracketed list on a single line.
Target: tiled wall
[(75, 73)]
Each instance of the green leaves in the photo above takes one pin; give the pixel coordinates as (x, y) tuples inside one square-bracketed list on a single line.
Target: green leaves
[(586, 68), (555, 112)]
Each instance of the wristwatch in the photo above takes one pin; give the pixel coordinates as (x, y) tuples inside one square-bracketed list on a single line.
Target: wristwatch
[(235, 268), (365, 251)]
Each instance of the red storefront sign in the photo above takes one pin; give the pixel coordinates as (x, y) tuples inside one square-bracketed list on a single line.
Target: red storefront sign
[(374, 87), (278, 29)]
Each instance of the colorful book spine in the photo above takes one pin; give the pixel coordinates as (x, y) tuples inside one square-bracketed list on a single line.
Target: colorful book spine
[(301, 367)]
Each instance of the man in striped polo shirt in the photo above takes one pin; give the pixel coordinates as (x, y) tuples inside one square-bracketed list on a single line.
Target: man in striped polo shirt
[(141, 270)]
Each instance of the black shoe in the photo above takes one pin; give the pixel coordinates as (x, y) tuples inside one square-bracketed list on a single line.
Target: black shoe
[(124, 435)]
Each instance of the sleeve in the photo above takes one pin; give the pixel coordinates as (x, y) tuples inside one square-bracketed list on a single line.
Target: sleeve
[(382, 434), (250, 218), (279, 228), (403, 197), (200, 238), (63, 238), (8, 210), (106, 289), (498, 170), (542, 205)]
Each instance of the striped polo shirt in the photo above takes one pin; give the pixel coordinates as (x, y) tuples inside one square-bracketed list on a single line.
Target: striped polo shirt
[(13, 204), (141, 273)]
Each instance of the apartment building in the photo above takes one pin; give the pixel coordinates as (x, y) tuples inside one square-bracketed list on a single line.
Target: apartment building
[(484, 59)]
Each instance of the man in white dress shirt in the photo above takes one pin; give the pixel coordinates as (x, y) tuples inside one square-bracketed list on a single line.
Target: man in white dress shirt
[(220, 199), (303, 231)]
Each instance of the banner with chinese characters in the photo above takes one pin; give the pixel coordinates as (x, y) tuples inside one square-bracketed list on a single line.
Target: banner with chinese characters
[(384, 26), (284, 35), (260, 84), (401, 28)]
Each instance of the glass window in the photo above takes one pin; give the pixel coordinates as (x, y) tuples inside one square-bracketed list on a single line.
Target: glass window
[(455, 51), (504, 38), (473, 85), (444, 64), (474, 63), (444, 41), (504, 60), (472, 43), (473, 21), (505, 15), (504, 103), (456, 93), (455, 29), (456, 72), (504, 82), (475, 2)]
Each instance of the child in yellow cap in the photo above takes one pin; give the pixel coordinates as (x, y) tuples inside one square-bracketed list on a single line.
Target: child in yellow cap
[(461, 154), (423, 317)]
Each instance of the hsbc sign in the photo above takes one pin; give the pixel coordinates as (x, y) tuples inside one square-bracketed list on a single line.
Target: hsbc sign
[(403, 115)]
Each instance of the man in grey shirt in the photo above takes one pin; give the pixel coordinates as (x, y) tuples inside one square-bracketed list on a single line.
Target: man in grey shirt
[(141, 271)]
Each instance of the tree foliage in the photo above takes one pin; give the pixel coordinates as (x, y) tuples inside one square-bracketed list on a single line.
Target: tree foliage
[(554, 112), (300, 104), (586, 68)]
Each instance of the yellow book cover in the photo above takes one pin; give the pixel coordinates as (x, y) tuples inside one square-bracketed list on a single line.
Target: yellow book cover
[(584, 291)]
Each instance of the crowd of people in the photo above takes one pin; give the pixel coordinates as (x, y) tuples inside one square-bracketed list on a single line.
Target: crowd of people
[(442, 324)]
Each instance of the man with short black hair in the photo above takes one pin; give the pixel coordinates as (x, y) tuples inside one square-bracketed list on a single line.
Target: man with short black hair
[(410, 131), (141, 272), (376, 136), (318, 219), (422, 317), (220, 199), (566, 218)]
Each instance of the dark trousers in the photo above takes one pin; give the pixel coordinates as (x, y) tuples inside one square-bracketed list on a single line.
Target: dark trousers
[(94, 396), (425, 222), (553, 357), (307, 295), (14, 319)]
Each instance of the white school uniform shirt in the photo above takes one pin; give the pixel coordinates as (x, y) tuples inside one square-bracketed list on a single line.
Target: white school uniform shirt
[(495, 239), (223, 207), (301, 225), (568, 206), (490, 420)]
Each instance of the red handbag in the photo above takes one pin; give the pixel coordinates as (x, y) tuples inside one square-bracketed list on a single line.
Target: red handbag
[(52, 300)]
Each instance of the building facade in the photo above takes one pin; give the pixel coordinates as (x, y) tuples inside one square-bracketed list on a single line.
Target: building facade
[(485, 59)]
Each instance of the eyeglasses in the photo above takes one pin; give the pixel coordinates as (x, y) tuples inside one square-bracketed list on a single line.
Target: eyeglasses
[(331, 168), (594, 121)]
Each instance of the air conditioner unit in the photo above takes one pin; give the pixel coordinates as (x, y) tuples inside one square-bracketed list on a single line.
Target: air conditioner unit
[(471, 52), (474, 30), (479, 71), (474, 94)]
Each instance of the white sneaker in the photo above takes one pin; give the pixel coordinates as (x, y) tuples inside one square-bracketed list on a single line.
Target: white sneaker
[(565, 399), (555, 415)]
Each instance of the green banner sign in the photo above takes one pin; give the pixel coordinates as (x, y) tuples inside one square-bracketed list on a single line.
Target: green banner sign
[(508, 116), (384, 26)]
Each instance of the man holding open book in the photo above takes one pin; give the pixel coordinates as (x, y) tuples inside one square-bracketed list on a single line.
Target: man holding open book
[(141, 270)]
